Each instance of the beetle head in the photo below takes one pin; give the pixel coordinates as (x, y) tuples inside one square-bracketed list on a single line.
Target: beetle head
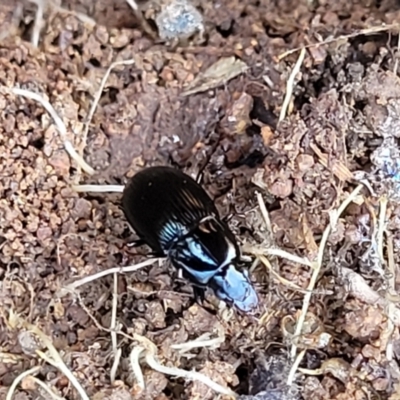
[(235, 287)]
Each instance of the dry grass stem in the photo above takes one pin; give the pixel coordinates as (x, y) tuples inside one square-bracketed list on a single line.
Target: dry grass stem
[(149, 350), (314, 276), (113, 327), (396, 62), (290, 85), (264, 211), (98, 188), (19, 378), (368, 31), (391, 264), (389, 331), (133, 5), (295, 366), (201, 341), (190, 375), (98, 96), (38, 22), (260, 251), (134, 358), (46, 388), (101, 274), (115, 365), (383, 201), (69, 148), (54, 357)]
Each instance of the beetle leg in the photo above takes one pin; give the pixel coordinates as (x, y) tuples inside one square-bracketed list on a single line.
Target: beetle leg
[(245, 259), (199, 294), (227, 218), (136, 243), (200, 298), (156, 254)]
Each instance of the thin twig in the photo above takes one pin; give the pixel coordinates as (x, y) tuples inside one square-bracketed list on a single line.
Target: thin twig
[(101, 274), (98, 188), (98, 96), (290, 85), (317, 269), (69, 148)]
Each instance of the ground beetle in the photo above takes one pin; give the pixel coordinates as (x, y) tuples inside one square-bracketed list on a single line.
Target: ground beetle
[(174, 216)]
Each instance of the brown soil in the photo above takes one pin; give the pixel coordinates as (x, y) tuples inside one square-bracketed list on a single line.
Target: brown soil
[(341, 123)]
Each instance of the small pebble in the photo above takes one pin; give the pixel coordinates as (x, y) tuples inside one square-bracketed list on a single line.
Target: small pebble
[(179, 20)]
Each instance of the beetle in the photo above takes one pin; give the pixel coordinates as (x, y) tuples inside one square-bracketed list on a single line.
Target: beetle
[(175, 217)]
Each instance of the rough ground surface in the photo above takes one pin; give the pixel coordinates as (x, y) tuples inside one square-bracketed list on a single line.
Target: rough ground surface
[(343, 117)]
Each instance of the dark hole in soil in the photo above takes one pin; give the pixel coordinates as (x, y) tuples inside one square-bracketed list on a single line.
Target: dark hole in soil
[(112, 94), (243, 374), (360, 104), (254, 159), (77, 48), (260, 112), (175, 390), (226, 30), (95, 62), (38, 143), (26, 30), (171, 317), (46, 271), (272, 33)]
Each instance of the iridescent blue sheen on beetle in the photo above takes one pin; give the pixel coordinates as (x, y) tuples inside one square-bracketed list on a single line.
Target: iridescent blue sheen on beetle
[(173, 214)]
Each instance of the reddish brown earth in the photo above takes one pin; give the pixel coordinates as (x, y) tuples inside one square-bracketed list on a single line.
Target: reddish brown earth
[(342, 116)]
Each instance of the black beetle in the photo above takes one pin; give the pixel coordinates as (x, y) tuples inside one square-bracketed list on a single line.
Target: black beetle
[(174, 216)]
